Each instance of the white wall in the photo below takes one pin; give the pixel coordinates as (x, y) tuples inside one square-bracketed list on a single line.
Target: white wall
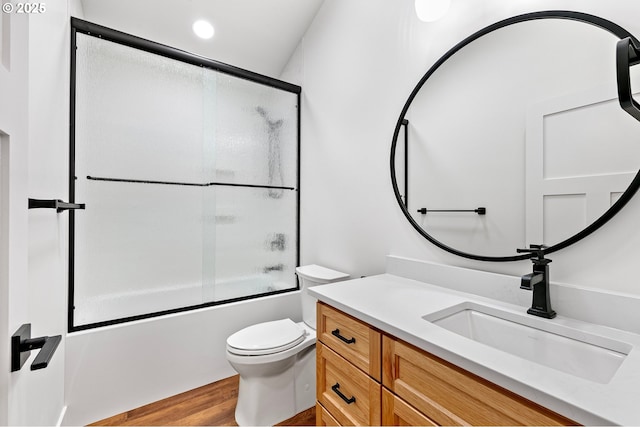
[(357, 65)]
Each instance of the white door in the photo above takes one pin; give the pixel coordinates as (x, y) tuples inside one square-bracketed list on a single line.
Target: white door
[(27, 397)]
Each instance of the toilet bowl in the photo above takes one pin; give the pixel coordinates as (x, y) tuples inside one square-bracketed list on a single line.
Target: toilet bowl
[(276, 360)]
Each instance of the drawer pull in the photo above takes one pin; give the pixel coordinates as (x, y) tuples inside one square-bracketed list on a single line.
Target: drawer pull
[(336, 389), (336, 333)]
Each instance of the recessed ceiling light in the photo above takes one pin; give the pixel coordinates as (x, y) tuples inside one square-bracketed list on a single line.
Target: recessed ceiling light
[(203, 29), (431, 10)]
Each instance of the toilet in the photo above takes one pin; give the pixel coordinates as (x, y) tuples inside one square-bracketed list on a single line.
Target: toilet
[(277, 360)]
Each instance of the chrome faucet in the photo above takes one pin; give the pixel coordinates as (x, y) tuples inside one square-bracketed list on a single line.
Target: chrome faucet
[(538, 282)]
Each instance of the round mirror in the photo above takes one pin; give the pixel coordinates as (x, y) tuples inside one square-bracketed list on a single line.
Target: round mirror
[(516, 137)]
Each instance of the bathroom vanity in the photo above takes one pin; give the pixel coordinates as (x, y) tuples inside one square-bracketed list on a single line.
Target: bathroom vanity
[(389, 353), (390, 382)]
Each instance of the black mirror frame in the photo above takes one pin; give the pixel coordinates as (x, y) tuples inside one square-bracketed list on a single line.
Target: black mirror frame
[(602, 23)]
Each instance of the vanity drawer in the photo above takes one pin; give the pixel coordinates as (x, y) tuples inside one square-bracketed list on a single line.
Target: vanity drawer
[(353, 339), (323, 417), (452, 396), (350, 395), (397, 412)]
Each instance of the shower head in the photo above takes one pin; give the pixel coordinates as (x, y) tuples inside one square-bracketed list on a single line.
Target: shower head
[(272, 124), (262, 112)]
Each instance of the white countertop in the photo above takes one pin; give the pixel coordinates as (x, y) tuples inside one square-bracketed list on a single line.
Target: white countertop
[(396, 305)]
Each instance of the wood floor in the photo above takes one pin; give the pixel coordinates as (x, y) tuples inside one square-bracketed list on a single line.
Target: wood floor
[(210, 405)]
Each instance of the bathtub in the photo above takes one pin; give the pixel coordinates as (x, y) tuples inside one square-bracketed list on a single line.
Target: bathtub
[(112, 369), (139, 302)]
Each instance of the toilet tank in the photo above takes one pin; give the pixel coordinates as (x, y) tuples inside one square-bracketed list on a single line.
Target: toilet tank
[(313, 275)]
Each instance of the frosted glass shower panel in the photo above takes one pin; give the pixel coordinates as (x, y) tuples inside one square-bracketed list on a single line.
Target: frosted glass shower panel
[(256, 242), (139, 115), (189, 174), (137, 249), (256, 136)]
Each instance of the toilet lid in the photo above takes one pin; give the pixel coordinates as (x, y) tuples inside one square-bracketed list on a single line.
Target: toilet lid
[(266, 338)]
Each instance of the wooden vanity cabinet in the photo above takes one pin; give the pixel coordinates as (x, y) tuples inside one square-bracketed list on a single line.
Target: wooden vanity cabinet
[(348, 371), (397, 412), (366, 377), (323, 417), (450, 395), (351, 338)]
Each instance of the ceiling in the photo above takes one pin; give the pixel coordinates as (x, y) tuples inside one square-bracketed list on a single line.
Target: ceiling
[(257, 35)]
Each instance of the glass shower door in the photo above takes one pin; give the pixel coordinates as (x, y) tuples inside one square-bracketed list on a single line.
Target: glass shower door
[(190, 180), (252, 168)]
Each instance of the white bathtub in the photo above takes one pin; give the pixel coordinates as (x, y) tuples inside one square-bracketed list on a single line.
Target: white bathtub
[(113, 369)]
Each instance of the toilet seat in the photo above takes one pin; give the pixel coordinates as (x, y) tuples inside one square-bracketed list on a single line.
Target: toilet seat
[(266, 338)]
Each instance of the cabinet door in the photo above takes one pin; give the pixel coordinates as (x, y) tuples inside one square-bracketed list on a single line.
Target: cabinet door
[(397, 412), (452, 396), (351, 338), (350, 395)]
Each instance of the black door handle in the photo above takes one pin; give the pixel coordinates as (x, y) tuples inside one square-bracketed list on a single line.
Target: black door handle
[(22, 344), (336, 333), (336, 390)]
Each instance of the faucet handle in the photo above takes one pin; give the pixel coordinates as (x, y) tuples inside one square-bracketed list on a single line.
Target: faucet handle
[(532, 248), (537, 253)]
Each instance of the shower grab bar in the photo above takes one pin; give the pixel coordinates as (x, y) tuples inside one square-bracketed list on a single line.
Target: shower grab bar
[(56, 204), (479, 211), (190, 184)]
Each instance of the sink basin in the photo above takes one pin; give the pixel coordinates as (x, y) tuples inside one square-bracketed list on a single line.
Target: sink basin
[(556, 346)]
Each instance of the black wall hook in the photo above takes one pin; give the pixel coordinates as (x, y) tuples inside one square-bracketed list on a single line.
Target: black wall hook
[(22, 344)]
